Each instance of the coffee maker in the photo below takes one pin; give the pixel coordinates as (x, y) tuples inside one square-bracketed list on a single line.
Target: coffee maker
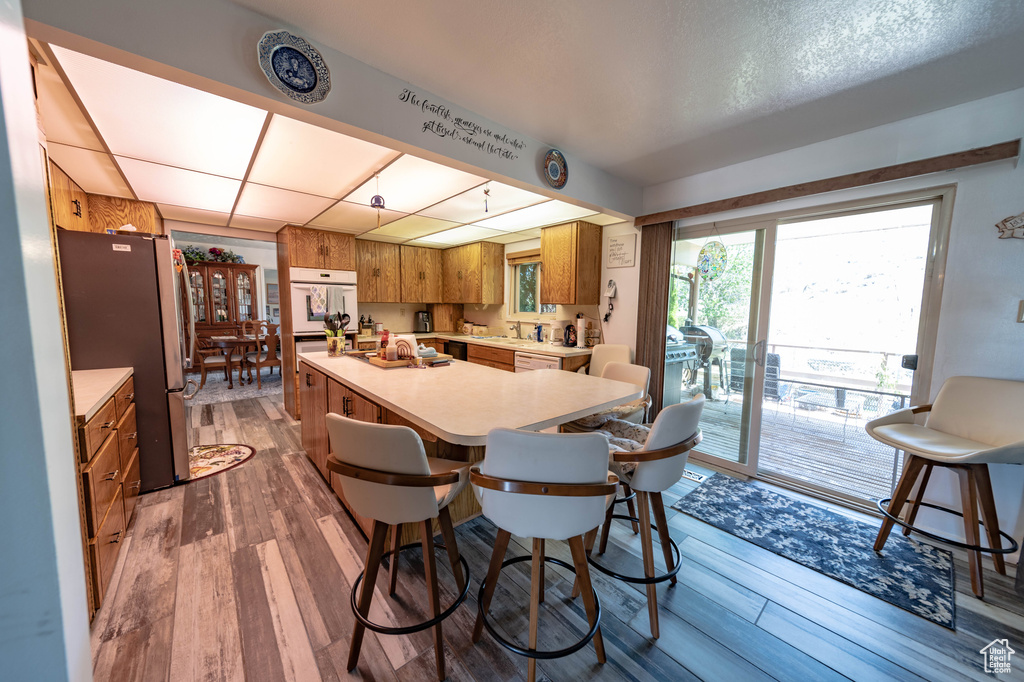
[(422, 322)]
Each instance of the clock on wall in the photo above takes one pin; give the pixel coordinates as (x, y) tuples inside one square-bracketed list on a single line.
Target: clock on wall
[(294, 67)]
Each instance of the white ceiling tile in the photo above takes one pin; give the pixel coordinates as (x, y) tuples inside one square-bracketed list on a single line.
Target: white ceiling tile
[(458, 235), (305, 158), (410, 184), (167, 185), (469, 206), (539, 215), (252, 223), (414, 226), (513, 237), (376, 236), (604, 219), (193, 215), (63, 121), (95, 172), (355, 218), (157, 120), (280, 204)]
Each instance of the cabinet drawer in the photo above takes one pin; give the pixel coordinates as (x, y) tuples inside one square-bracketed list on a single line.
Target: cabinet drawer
[(124, 397), (103, 548), (102, 481), (474, 352), (127, 436), (496, 365), (131, 482), (97, 429)]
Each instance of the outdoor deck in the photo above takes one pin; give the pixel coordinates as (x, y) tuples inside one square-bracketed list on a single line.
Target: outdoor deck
[(824, 447)]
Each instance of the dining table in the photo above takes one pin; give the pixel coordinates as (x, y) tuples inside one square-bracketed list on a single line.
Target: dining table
[(238, 344)]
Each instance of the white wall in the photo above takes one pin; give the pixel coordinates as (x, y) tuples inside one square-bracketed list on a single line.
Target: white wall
[(977, 332), (621, 326), (44, 624)]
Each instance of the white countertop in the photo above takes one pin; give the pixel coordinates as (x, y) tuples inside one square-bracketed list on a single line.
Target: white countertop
[(461, 402), (523, 346), (93, 387)]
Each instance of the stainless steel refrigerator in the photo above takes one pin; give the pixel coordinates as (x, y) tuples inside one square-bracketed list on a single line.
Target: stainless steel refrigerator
[(127, 305)]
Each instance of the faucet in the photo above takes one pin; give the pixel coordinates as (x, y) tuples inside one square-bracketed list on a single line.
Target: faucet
[(517, 327)]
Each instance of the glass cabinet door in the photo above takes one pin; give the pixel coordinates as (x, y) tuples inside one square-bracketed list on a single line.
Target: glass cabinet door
[(220, 305), (198, 285), (243, 295)]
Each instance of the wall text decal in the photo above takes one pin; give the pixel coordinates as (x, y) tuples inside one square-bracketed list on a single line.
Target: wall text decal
[(440, 122)]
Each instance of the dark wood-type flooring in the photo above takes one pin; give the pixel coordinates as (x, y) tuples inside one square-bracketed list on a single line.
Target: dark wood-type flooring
[(247, 574)]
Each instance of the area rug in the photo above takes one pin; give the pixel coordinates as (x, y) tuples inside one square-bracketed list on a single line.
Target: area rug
[(207, 460), (912, 575), (216, 389)]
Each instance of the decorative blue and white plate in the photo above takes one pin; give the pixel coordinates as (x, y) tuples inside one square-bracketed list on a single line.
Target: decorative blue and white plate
[(294, 67), (556, 170)]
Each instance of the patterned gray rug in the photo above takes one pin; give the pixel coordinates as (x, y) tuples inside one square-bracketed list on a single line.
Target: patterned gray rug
[(912, 575), (216, 389)]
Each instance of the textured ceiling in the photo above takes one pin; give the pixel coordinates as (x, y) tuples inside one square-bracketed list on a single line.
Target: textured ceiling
[(653, 90)]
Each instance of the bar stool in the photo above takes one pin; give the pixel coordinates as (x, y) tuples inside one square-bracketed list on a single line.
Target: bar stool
[(545, 487), (649, 472), (972, 423), (386, 476)]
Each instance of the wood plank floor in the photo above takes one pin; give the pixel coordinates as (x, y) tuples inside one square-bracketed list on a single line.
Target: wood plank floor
[(247, 574)]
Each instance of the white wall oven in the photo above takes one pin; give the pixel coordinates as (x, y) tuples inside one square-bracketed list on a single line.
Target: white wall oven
[(317, 292)]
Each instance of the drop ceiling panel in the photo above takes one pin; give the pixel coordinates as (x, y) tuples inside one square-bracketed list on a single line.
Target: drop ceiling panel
[(152, 119), (474, 205), (302, 157), (456, 236), (513, 237), (167, 185), (375, 236), (193, 215), (540, 215), (95, 172), (415, 226), (280, 204), (63, 121), (253, 223), (354, 218), (411, 184), (604, 219)]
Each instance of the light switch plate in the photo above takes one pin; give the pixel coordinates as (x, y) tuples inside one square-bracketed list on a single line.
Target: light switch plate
[(1020, 312)]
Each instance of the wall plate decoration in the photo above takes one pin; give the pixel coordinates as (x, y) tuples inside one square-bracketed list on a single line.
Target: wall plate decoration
[(556, 170), (294, 67)]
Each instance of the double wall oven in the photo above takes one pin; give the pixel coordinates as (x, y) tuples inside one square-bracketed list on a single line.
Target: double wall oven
[(314, 293)]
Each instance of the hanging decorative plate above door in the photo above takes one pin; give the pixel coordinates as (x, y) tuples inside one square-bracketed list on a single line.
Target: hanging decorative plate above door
[(556, 171), (294, 67)]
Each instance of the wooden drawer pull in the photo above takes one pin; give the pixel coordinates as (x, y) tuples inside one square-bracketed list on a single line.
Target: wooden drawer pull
[(107, 425), (130, 397), (136, 485), (132, 436), (117, 537), (112, 476)]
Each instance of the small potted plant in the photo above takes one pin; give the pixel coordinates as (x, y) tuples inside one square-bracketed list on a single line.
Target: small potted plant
[(335, 331)]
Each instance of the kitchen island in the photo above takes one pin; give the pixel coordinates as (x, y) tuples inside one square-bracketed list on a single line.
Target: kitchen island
[(452, 408)]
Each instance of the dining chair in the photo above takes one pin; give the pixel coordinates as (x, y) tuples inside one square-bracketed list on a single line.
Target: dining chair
[(386, 476), (545, 487), (266, 353), (602, 354), (973, 422)]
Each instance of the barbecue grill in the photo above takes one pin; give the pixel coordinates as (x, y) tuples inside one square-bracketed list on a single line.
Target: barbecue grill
[(680, 357), (712, 349)]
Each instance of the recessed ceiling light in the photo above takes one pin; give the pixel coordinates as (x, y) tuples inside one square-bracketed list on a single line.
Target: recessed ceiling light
[(539, 215), (152, 119), (252, 223), (95, 172), (167, 185), (280, 204), (410, 184), (473, 205)]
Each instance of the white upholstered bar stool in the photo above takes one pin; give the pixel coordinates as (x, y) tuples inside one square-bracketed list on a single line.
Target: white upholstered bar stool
[(386, 476), (972, 423), (602, 354), (546, 487), (649, 472)]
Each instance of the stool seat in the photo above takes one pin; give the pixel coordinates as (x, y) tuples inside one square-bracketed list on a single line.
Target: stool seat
[(930, 443)]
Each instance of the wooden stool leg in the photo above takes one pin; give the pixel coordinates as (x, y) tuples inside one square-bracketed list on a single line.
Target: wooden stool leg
[(631, 508), (647, 544), (536, 589), (658, 507), (903, 488), (605, 529), (396, 539), (491, 581), (588, 546), (916, 504), (988, 513), (433, 599), (969, 500), (579, 559), (444, 519), (374, 550)]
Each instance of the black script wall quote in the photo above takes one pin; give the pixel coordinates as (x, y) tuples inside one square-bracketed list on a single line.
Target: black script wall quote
[(438, 120)]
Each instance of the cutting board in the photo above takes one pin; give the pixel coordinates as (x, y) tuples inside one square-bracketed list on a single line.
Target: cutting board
[(379, 362)]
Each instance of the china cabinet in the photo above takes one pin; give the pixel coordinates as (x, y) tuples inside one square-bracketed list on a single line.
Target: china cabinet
[(225, 296)]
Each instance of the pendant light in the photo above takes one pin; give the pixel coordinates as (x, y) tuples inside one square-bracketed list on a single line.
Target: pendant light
[(377, 201)]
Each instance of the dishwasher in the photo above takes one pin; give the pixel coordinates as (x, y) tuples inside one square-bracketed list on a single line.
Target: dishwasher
[(527, 362)]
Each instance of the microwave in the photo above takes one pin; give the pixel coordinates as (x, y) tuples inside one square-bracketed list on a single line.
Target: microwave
[(314, 291)]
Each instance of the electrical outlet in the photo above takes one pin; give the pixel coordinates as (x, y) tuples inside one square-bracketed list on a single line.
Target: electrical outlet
[(1020, 312), (401, 311)]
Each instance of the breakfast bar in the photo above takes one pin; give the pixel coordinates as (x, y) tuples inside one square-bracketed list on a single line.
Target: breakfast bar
[(452, 407)]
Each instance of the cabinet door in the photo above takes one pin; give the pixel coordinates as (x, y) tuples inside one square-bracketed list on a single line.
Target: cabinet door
[(389, 273), (220, 296), (451, 267), (364, 410), (245, 301), (412, 274), (366, 271), (558, 264), (313, 396), (430, 266), (492, 272), (79, 208), (339, 251), (305, 248), (471, 275), (60, 197)]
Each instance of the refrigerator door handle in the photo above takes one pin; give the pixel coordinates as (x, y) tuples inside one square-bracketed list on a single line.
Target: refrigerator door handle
[(191, 312), (169, 306)]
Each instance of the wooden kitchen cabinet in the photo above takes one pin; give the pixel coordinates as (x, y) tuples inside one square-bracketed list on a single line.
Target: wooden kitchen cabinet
[(570, 257), (378, 272), (114, 213), (319, 249), (498, 358), (421, 275), (313, 395), (474, 273), (69, 202)]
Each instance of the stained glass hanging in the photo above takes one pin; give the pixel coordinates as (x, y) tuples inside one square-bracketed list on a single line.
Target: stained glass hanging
[(712, 260)]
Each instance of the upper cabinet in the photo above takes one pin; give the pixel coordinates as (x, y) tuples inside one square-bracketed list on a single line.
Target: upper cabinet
[(318, 248), (421, 275), (571, 260), (114, 212), (378, 272), (474, 273), (70, 204)]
